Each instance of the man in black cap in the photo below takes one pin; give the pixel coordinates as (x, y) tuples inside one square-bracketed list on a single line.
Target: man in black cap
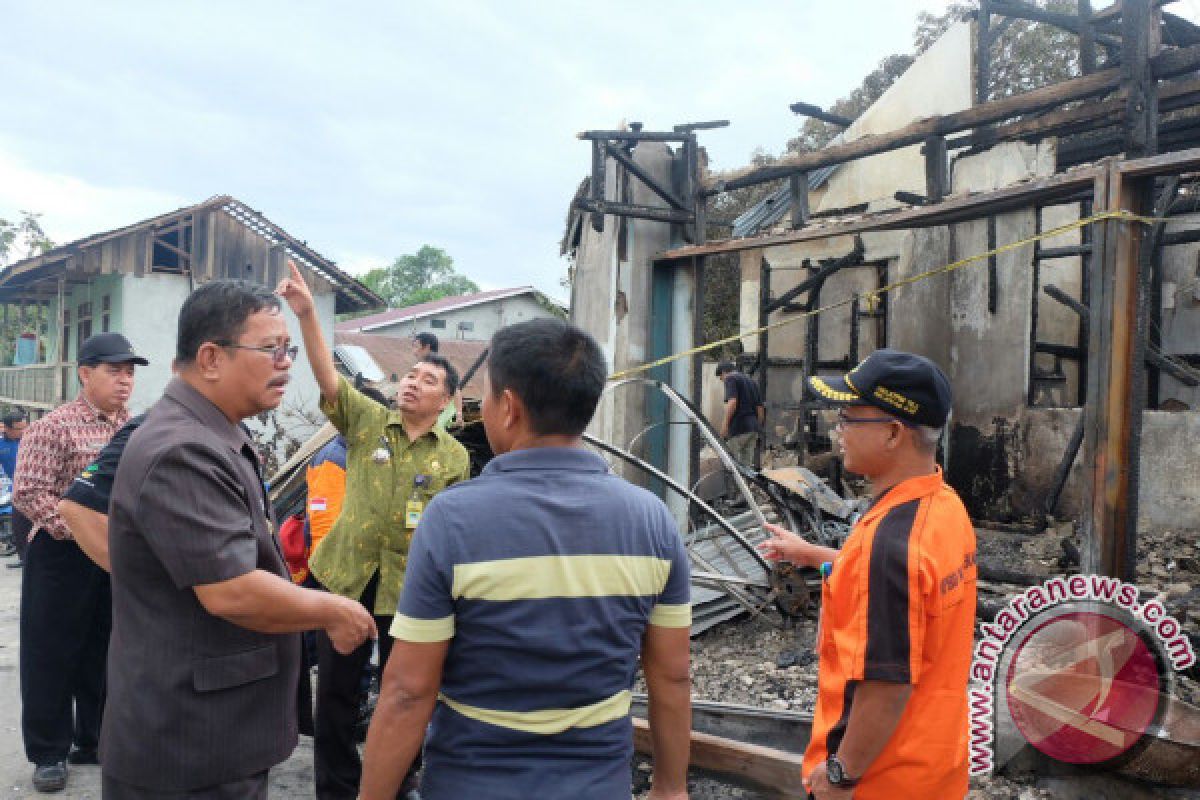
[(898, 599), (65, 601)]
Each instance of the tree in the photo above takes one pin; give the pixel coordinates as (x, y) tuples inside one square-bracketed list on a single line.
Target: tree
[(418, 278), (22, 239)]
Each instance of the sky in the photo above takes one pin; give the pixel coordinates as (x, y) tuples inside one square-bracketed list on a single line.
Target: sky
[(370, 129)]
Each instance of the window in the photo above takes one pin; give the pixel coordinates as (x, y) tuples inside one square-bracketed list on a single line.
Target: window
[(469, 325), (83, 325), (105, 313), (66, 337), (437, 323)]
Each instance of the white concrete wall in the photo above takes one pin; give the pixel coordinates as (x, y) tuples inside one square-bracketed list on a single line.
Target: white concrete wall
[(611, 293), (150, 318), (486, 319), (938, 82)]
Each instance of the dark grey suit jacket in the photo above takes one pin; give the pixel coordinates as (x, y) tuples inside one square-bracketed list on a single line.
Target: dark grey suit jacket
[(193, 700)]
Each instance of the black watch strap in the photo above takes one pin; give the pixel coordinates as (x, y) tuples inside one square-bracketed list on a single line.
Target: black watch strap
[(836, 773)]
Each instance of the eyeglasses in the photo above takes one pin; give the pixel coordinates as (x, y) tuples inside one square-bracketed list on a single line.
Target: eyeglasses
[(277, 352), (843, 420)]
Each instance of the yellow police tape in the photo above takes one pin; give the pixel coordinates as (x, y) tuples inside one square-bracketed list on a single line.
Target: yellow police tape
[(871, 299)]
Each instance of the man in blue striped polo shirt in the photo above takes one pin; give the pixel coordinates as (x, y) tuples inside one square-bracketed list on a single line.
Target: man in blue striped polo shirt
[(530, 594)]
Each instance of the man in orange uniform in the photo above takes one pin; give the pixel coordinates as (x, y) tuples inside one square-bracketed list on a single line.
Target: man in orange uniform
[(898, 600)]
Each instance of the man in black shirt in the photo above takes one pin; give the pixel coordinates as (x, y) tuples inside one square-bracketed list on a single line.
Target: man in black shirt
[(85, 505), (742, 422)]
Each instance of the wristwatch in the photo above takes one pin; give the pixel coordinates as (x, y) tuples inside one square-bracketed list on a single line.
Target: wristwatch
[(835, 773)]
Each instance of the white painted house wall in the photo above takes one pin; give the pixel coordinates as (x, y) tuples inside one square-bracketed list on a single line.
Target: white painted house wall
[(150, 306), (486, 318)]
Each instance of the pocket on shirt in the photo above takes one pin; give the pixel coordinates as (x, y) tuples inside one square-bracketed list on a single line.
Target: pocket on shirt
[(215, 673)]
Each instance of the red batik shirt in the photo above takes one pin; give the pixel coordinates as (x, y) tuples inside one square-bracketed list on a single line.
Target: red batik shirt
[(53, 452)]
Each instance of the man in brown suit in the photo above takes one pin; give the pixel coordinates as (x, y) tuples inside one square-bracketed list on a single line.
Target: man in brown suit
[(205, 657)]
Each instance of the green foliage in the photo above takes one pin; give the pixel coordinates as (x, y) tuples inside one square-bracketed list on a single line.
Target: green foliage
[(1025, 56), (418, 278), (22, 239)]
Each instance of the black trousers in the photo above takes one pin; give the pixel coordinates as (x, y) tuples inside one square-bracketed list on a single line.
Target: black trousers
[(252, 788), (66, 619), (337, 766)]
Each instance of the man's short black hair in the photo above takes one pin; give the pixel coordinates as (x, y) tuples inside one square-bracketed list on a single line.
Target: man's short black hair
[(13, 417), (724, 367), (556, 369), (217, 312), (428, 340), (447, 367)]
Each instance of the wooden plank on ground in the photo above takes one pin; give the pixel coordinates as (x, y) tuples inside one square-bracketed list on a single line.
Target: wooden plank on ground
[(761, 767)]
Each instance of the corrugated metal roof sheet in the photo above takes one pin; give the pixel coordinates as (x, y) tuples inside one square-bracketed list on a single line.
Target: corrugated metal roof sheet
[(774, 206)]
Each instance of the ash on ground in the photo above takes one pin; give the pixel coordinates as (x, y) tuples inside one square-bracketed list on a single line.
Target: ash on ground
[(755, 661)]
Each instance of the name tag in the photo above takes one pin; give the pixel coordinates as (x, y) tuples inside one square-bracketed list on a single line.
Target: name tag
[(317, 504), (412, 513)]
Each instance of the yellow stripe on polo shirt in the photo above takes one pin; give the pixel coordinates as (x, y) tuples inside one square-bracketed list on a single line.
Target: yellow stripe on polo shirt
[(411, 629), (548, 721), (540, 577), (668, 616)]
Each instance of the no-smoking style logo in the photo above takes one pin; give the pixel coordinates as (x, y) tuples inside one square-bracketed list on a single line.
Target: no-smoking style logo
[(1082, 667), (1084, 687)]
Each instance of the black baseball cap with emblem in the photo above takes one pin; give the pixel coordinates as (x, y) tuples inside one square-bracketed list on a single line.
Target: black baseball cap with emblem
[(108, 348), (907, 386)]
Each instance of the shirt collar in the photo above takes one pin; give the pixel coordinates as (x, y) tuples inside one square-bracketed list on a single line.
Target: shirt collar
[(206, 411), (94, 414), (573, 459), (920, 486), (437, 431)]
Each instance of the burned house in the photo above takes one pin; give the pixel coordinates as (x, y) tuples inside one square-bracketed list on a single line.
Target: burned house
[(1042, 248)]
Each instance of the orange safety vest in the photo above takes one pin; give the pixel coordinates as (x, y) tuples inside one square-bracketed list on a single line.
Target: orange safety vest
[(899, 606)]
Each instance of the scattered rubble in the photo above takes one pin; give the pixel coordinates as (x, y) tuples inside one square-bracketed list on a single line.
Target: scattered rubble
[(755, 661)]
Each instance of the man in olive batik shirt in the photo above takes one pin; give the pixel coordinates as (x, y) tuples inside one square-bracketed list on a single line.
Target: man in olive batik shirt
[(396, 461)]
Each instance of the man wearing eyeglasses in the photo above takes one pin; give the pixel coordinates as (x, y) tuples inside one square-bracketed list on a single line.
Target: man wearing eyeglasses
[(204, 661), (897, 601), (396, 461)]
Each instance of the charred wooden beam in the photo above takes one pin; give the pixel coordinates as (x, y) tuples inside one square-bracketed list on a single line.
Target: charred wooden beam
[(828, 267), (1089, 116), (1116, 350), (1139, 43), (857, 208), (798, 193), (1087, 38), (816, 112), (631, 136), (635, 210), (1047, 190), (1164, 65), (1066, 299), (983, 51), (689, 127), (911, 198), (937, 169), (1067, 351), (1067, 22), (622, 158), (598, 182), (1047, 253)]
